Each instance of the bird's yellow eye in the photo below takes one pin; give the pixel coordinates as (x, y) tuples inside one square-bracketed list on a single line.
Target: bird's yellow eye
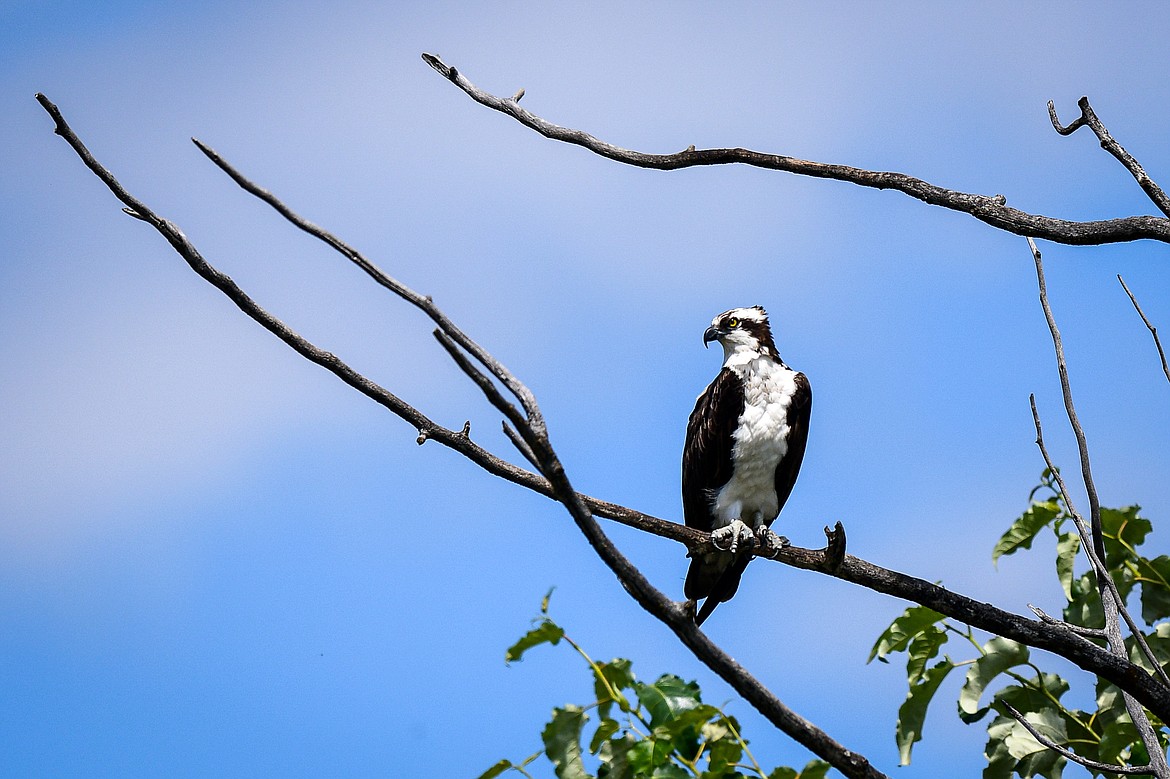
[(733, 322)]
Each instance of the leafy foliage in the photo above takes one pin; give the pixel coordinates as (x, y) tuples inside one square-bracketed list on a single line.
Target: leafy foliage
[(657, 730), (1107, 734)]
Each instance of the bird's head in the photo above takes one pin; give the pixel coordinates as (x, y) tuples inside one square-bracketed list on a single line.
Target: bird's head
[(742, 332)]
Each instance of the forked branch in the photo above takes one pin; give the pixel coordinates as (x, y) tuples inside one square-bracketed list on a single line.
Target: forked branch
[(530, 429), (531, 439), (1088, 118), (1092, 540), (990, 209), (831, 560), (1068, 754)]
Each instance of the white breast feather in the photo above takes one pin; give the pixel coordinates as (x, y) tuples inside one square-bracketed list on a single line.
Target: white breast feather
[(761, 441)]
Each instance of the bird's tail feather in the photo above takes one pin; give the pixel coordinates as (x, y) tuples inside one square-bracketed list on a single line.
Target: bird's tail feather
[(724, 587)]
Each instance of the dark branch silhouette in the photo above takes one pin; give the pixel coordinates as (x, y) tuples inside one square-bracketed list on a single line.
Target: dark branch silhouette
[(830, 560), (530, 428), (1088, 118), (990, 209), (525, 428)]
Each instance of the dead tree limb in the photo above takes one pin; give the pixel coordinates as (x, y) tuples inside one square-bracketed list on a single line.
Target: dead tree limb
[(831, 560), (1088, 118), (992, 210), (530, 427), (1093, 542)]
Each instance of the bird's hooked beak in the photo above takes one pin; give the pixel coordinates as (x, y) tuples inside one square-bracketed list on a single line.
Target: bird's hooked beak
[(712, 333)]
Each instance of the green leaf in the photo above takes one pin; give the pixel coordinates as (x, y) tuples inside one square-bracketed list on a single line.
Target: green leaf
[(648, 754), (999, 655), (912, 713), (1043, 763), (1000, 762), (815, 769), (1155, 588), (1084, 607), (1067, 547), (923, 649), (668, 697), (723, 747), (1026, 698), (1049, 723), (619, 674), (614, 755), (1117, 741), (562, 742), (784, 772), (1159, 642), (605, 729), (670, 771), (685, 729), (1122, 528), (547, 632), (1010, 748), (1023, 531), (914, 621), (496, 770)]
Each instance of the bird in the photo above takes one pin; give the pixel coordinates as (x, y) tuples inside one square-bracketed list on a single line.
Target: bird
[(744, 447)]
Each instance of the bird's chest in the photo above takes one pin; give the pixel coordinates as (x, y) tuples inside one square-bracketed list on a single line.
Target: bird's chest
[(760, 443)]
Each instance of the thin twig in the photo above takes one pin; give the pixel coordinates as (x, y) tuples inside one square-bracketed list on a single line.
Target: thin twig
[(1088, 118), (989, 209), (1105, 582), (422, 302), (520, 444), (1080, 630), (1149, 325), (1066, 390), (1073, 756), (1096, 553), (1113, 605)]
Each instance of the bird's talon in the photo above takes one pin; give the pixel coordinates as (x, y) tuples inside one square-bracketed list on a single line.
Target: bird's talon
[(770, 542)]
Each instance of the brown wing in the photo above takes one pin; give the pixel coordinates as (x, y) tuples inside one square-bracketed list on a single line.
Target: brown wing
[(706, 463), (707, 466)]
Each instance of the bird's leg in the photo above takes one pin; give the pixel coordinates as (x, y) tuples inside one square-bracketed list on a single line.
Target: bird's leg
[(768, 541), (732, 534)]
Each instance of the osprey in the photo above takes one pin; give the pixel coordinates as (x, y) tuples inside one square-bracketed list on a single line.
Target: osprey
[(745, 442)]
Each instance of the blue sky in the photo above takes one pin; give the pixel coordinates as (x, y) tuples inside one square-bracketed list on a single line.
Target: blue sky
[(217, 559)]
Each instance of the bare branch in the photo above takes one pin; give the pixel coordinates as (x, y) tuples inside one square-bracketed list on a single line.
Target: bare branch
[(1104, 581), (1066, 390), (1079, 630), (422, 302), (1153, 330), (989, 209), (531, 429), (1073, 756), (520, 444), (1113, 605), (849, 568), (1095, 552), (1088, 118)]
